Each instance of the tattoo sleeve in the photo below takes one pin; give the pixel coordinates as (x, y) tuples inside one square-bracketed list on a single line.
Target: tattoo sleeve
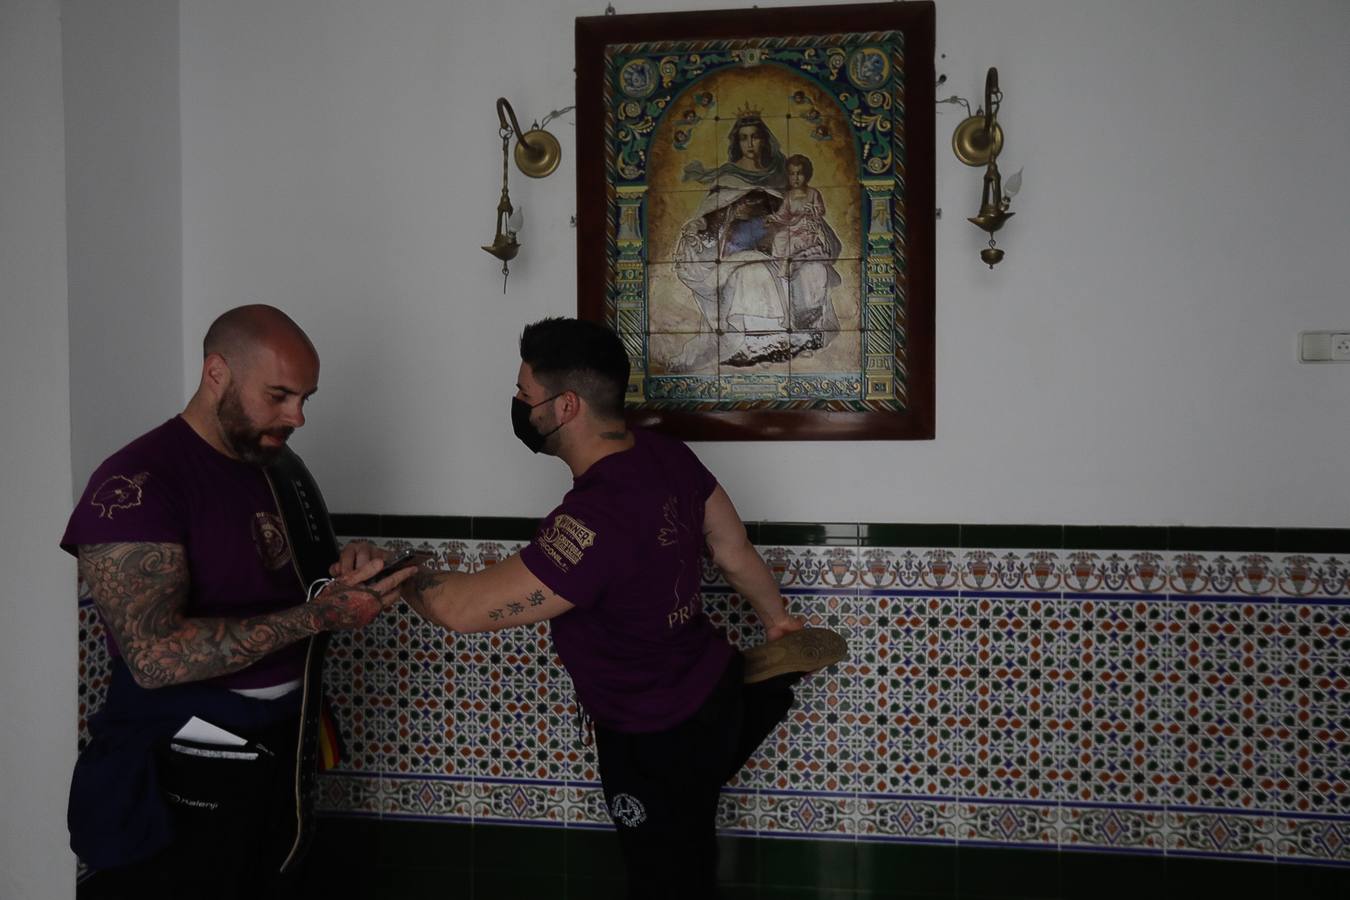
[(140, 590)]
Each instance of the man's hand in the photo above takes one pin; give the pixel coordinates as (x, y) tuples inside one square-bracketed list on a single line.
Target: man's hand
[(785, 627), (344, 604), (355, 555)]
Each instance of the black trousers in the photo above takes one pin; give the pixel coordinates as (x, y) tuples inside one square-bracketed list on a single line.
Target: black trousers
[(662, 788), (233, 813)]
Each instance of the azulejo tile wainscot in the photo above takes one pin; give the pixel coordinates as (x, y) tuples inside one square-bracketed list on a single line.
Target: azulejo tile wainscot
[(1176, 702)]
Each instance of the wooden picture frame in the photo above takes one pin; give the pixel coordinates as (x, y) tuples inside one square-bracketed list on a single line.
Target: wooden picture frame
[(755, 196)]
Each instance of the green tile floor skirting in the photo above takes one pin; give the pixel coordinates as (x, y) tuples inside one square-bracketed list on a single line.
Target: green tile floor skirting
[(394, 859)]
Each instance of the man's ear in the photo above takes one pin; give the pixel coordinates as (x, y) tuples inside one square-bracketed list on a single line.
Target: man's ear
[(216, 373), (571, 405)]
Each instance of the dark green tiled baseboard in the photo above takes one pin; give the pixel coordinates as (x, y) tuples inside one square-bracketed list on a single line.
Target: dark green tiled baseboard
[(881, 534), (393, 859)]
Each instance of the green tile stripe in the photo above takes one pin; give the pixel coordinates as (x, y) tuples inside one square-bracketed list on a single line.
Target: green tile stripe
[(899, 534)]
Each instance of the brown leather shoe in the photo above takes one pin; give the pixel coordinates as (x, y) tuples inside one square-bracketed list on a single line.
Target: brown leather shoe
[(808, 650)]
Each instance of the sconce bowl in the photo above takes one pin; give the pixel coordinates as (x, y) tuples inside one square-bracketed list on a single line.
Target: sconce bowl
[(992, 256), (541, 157), (971, 142)]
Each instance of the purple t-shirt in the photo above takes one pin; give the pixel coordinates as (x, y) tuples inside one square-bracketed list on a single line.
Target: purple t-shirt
[(625, 549), (170, 486)]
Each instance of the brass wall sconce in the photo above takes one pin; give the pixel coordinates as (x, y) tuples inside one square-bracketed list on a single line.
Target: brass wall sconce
[(978, 140), (537, 155)]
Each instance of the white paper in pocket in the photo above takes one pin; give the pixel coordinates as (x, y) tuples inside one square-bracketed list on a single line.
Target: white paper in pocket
[(203, 732)]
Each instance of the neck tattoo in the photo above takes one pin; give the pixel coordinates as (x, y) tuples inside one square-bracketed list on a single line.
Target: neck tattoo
[(614, 435)]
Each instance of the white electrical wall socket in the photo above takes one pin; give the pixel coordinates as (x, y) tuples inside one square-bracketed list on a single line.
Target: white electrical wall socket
[(1324, 346)]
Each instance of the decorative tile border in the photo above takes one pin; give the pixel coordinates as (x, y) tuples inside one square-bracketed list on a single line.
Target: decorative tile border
[(1171, 701)]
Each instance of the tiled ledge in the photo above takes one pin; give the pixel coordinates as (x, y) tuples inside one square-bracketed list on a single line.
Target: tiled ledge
[(1085, 562), (855, 534)]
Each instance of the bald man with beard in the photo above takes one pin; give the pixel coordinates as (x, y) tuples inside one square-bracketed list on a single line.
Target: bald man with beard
[(182, 548)]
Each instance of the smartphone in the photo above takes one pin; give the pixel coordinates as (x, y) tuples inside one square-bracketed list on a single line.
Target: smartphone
[(393, 565)]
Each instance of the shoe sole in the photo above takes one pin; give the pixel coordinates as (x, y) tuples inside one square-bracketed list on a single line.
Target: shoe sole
[(808, 650)]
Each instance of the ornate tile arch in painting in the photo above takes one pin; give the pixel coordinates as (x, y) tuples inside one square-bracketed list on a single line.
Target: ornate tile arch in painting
[(755, 211)]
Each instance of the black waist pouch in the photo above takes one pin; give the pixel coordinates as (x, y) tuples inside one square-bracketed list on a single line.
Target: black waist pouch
[(232, 809)]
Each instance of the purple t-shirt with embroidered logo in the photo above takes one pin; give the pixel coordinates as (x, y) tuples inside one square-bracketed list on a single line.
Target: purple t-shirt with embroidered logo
[(625, 548), (171, 486)]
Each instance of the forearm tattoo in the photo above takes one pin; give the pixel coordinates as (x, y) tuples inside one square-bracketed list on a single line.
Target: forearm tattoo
[(140, 590), (419, 592), (515, 607), (426, 579)]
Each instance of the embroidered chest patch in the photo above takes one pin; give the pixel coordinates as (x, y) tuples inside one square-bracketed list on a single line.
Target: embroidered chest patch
[(270, 540)]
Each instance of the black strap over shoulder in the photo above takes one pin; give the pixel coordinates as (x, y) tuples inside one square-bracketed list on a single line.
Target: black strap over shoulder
[(314, 548), (308, 529)]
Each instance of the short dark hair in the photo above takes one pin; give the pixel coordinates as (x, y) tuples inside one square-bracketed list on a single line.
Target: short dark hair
[(580, 356)]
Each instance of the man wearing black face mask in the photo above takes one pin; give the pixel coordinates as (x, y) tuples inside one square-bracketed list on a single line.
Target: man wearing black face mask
[(616, 568), (529, 435)]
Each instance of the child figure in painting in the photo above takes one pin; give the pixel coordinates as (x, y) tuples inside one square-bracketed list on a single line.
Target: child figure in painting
[(800, 231)]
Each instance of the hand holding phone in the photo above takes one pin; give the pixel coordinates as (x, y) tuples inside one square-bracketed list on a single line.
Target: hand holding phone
[(393, 565)]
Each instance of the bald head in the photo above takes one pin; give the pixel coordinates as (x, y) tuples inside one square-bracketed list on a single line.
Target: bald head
[(240, 333), (258, 369)]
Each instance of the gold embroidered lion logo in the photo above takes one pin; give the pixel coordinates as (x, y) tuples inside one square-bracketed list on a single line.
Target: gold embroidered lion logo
[(269, 537), (118, 492)]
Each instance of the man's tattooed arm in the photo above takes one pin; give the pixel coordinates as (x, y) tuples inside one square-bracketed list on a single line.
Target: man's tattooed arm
[(501, 596), (141, 589)]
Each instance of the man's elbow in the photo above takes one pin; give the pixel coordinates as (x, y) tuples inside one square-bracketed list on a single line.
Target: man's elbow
[(148, 676), (732, 555)]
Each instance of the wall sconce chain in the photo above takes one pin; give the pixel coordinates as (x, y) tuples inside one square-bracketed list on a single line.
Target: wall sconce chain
[(537, 155), (978, 141)]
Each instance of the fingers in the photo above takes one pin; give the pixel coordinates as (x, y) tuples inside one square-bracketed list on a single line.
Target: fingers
[(390, 584), (393, 593), (785, 627), (353, 577), (355, 555)]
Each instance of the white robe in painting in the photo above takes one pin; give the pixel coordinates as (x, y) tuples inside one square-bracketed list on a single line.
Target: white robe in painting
[(765, 309)]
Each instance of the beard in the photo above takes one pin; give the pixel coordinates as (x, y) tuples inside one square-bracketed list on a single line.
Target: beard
[(240, 434)]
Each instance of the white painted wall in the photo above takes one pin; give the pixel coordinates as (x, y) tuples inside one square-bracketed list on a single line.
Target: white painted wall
[(37, 642), (1131, 362), (124, 200)]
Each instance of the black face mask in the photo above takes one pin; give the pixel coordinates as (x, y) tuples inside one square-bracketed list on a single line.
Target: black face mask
[(524, 428)]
